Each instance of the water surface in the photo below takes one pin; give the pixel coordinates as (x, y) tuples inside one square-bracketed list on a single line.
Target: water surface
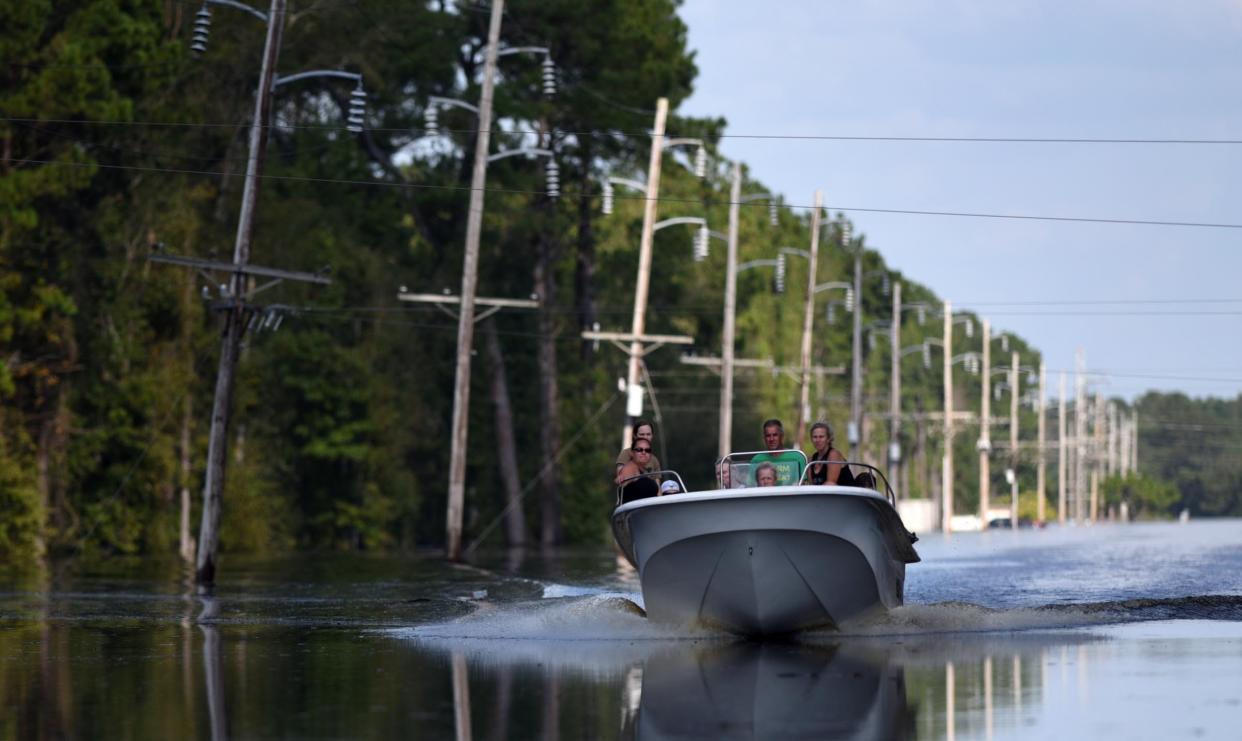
[(1133, 631)]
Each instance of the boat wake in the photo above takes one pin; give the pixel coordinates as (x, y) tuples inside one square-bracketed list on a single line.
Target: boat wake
[(963, 617), (567, 615)]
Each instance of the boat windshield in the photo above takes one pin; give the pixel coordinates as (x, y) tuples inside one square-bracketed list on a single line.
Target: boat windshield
[(738, 470)]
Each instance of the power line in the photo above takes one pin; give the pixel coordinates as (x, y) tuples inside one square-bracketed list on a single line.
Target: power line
[(662, 199), (1093, 302), (1117, 313), (642, 134), (1152, 376)]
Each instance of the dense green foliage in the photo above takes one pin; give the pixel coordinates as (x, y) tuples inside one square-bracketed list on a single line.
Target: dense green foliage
[(1143, 496), (116, 143), (1193, 444)]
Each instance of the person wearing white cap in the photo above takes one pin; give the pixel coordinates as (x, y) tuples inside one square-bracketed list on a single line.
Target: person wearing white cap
[(670, 487)]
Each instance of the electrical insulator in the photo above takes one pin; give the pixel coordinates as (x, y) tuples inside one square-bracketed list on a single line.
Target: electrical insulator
[(357, 109), (922, 316), (773, 212), (846, 234), (202, 29), (926, 356), (849, 299), (554, 180), (832, 313), (1005, 343), (607, 198), (549, 77), (431, 121), (886, 284), (970, 329), (780, 273), (701, 244), (871, 341), (997, 392), (700, 162)]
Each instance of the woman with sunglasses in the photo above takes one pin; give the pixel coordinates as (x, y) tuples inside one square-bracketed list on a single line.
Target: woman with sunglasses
[(643, 430), (645, 486)]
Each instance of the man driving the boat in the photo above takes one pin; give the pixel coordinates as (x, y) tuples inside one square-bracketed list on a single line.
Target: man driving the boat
[(788, 463)]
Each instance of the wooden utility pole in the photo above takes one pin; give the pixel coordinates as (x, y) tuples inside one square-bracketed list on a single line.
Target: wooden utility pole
[(184, 541), (985, 428), (633, 387), (1041, 462), (1112, 439), (469, 283), (236, 315), (856, 416), (1062, 450), (894, 394), (725, 437), (1080, 438), (1097, 463), (946, 466), (804, 394), (1013, 441)]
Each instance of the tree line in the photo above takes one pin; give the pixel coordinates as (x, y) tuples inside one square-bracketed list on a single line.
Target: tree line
[(117, 143)]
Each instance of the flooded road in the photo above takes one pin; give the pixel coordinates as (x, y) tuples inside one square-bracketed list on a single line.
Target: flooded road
[(1134, 631)]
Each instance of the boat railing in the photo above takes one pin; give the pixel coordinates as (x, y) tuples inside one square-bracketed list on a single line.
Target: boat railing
[(657, 479), (869, 478)]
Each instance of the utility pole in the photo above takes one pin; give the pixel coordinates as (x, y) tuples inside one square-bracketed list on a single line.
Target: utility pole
[(650, 208), (946, 466), (1097, 464), (730, 318), (1041, 462), (1080, 438), (235, 318), (1013, 441), (894, 395), (1112, 439), (1062, 450), (804, 395), (469, 284), (985, 428), (856, 421)]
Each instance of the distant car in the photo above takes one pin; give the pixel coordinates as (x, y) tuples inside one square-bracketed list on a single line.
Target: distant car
[(1002, 523)]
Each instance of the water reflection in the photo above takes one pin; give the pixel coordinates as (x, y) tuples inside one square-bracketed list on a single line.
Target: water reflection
[(213, 679), (752, 690), (892, 687)]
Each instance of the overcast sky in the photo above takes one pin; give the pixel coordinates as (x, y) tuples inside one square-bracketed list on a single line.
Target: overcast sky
[(1090, 69)]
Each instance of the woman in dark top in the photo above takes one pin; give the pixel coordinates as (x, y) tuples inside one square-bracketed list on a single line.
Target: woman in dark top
[(835, 473), (638, 488)]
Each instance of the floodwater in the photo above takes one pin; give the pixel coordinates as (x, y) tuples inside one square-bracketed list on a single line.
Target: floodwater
[(1128, 631)]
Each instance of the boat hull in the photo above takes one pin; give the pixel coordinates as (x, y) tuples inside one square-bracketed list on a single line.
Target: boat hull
[(765, 562)]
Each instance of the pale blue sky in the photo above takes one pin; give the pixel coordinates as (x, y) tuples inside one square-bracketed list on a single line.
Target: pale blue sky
[(1118, 69)]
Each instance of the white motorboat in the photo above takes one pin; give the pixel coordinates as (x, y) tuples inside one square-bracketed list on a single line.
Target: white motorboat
[(766, 560)]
